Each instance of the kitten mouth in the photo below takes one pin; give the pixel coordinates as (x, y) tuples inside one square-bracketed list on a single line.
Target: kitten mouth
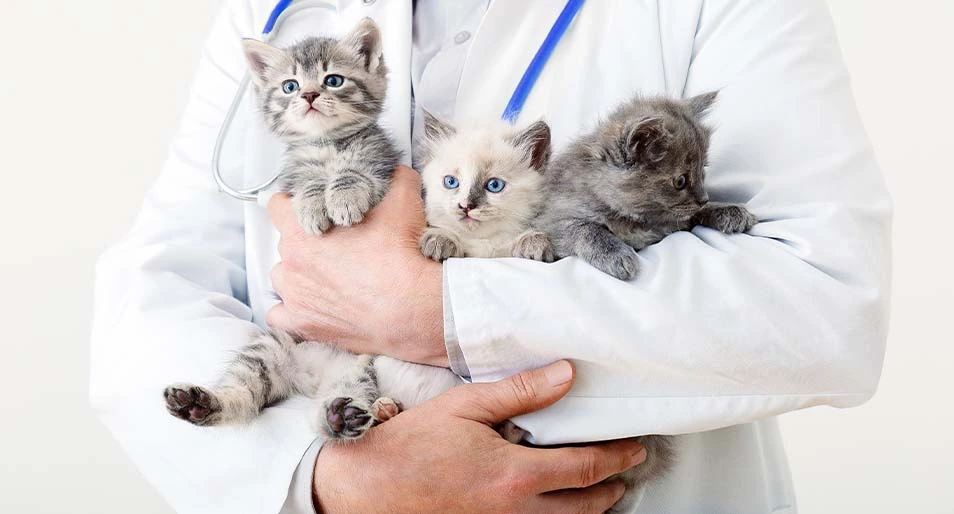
[(467, 219), (312, 110)]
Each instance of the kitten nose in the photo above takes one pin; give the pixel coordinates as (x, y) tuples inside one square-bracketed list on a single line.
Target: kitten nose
[(466, 208), (310, 96), (702, 200)]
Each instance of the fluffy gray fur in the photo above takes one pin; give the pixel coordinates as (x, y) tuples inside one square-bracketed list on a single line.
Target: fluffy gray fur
[(338, 161), (338, 165), (638, 177)]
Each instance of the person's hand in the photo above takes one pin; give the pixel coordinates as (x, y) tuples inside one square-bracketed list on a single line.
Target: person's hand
[(366, 288), (444, 456)]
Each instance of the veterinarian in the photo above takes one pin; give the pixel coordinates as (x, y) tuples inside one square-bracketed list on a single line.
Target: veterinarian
[(716, 337)]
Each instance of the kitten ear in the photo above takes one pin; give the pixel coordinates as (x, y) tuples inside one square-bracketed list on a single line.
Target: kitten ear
[(263, 59), (435, 129), (535, 140), (700, 105), (365, 39), (646, 142)]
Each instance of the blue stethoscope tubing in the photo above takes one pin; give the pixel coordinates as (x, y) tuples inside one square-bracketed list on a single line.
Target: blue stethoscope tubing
[(510, 114)]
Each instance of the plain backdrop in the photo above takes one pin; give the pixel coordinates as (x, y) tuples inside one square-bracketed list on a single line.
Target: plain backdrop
[(90, 94)]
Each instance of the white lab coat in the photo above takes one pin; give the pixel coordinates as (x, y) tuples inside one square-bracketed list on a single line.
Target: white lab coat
[(718, 331)]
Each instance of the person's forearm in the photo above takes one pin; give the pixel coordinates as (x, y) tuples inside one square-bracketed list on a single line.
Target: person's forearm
[(718, 330)]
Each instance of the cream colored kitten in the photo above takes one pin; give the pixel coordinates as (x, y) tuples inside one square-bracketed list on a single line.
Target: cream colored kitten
[(482, 189)]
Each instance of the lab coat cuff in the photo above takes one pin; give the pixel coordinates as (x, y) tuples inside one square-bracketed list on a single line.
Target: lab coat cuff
[(300, 499), (455, 356)]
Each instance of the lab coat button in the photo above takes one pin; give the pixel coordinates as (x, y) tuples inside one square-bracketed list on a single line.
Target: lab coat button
[(461, 37)]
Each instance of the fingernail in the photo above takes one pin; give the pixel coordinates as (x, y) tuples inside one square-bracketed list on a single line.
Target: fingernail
[(559, 373), (639, 457)]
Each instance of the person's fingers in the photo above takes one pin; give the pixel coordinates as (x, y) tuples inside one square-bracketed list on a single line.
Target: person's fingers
[(581, 466), (280, 317), (403, 197), (595, 499), (522, 393), (278, 276), (282, 214)]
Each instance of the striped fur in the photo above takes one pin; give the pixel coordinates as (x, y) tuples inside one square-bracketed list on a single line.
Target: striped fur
[(338, 165), (339, 161)]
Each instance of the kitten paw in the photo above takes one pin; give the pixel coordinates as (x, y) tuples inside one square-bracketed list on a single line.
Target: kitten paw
[(384, 409), (729, 219), (534, 245), (346, 419), (438, 246), (622, 264), (194, 404), (347, 200), (312, 215)]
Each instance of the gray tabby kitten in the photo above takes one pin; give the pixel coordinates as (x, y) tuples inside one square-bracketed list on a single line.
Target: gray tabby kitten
[(322, 97), (638, 177)]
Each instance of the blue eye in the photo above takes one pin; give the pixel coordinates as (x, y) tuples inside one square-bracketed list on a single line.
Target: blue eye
[(334, 81), (495, 185), (451, 182), (290, 86)]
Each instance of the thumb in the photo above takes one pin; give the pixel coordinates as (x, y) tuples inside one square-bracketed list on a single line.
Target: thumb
[(522, 393)]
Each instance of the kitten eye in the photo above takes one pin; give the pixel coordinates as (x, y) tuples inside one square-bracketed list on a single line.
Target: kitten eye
[(451, 182), (680, 182), (495, 185), (290, 86), (334, 81)]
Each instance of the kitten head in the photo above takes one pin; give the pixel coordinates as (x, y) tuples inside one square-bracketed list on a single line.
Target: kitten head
[(652, 155), (320, 86), (483, 181)]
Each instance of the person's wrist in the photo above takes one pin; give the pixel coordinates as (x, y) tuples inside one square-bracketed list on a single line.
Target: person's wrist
[(327, 492), (419, 320)]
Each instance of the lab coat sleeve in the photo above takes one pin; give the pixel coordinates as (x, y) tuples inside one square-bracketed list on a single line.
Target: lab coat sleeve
[(170, 305), (717, 329)]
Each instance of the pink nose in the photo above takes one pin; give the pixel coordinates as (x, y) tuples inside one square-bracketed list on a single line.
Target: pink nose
[(465, 208), (310, 96)]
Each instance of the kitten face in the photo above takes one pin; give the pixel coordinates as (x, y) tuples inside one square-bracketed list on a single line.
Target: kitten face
[(483, 182), (320, 86), (652, 159)]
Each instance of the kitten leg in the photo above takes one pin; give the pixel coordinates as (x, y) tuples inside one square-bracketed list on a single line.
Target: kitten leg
[(349, 196), (440, 245), (659, 460), (534, 245), (351, 404), (727, 218), (308, 201), (598, 246), (256, 377)]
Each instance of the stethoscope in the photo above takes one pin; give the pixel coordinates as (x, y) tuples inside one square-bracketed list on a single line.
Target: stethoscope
[(510, 114)]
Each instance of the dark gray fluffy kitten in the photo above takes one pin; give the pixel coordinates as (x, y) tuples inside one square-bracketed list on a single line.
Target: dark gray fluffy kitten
[(323, 98), (638, 177)]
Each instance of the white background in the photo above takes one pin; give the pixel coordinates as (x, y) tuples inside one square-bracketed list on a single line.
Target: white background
[(90, 92)]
